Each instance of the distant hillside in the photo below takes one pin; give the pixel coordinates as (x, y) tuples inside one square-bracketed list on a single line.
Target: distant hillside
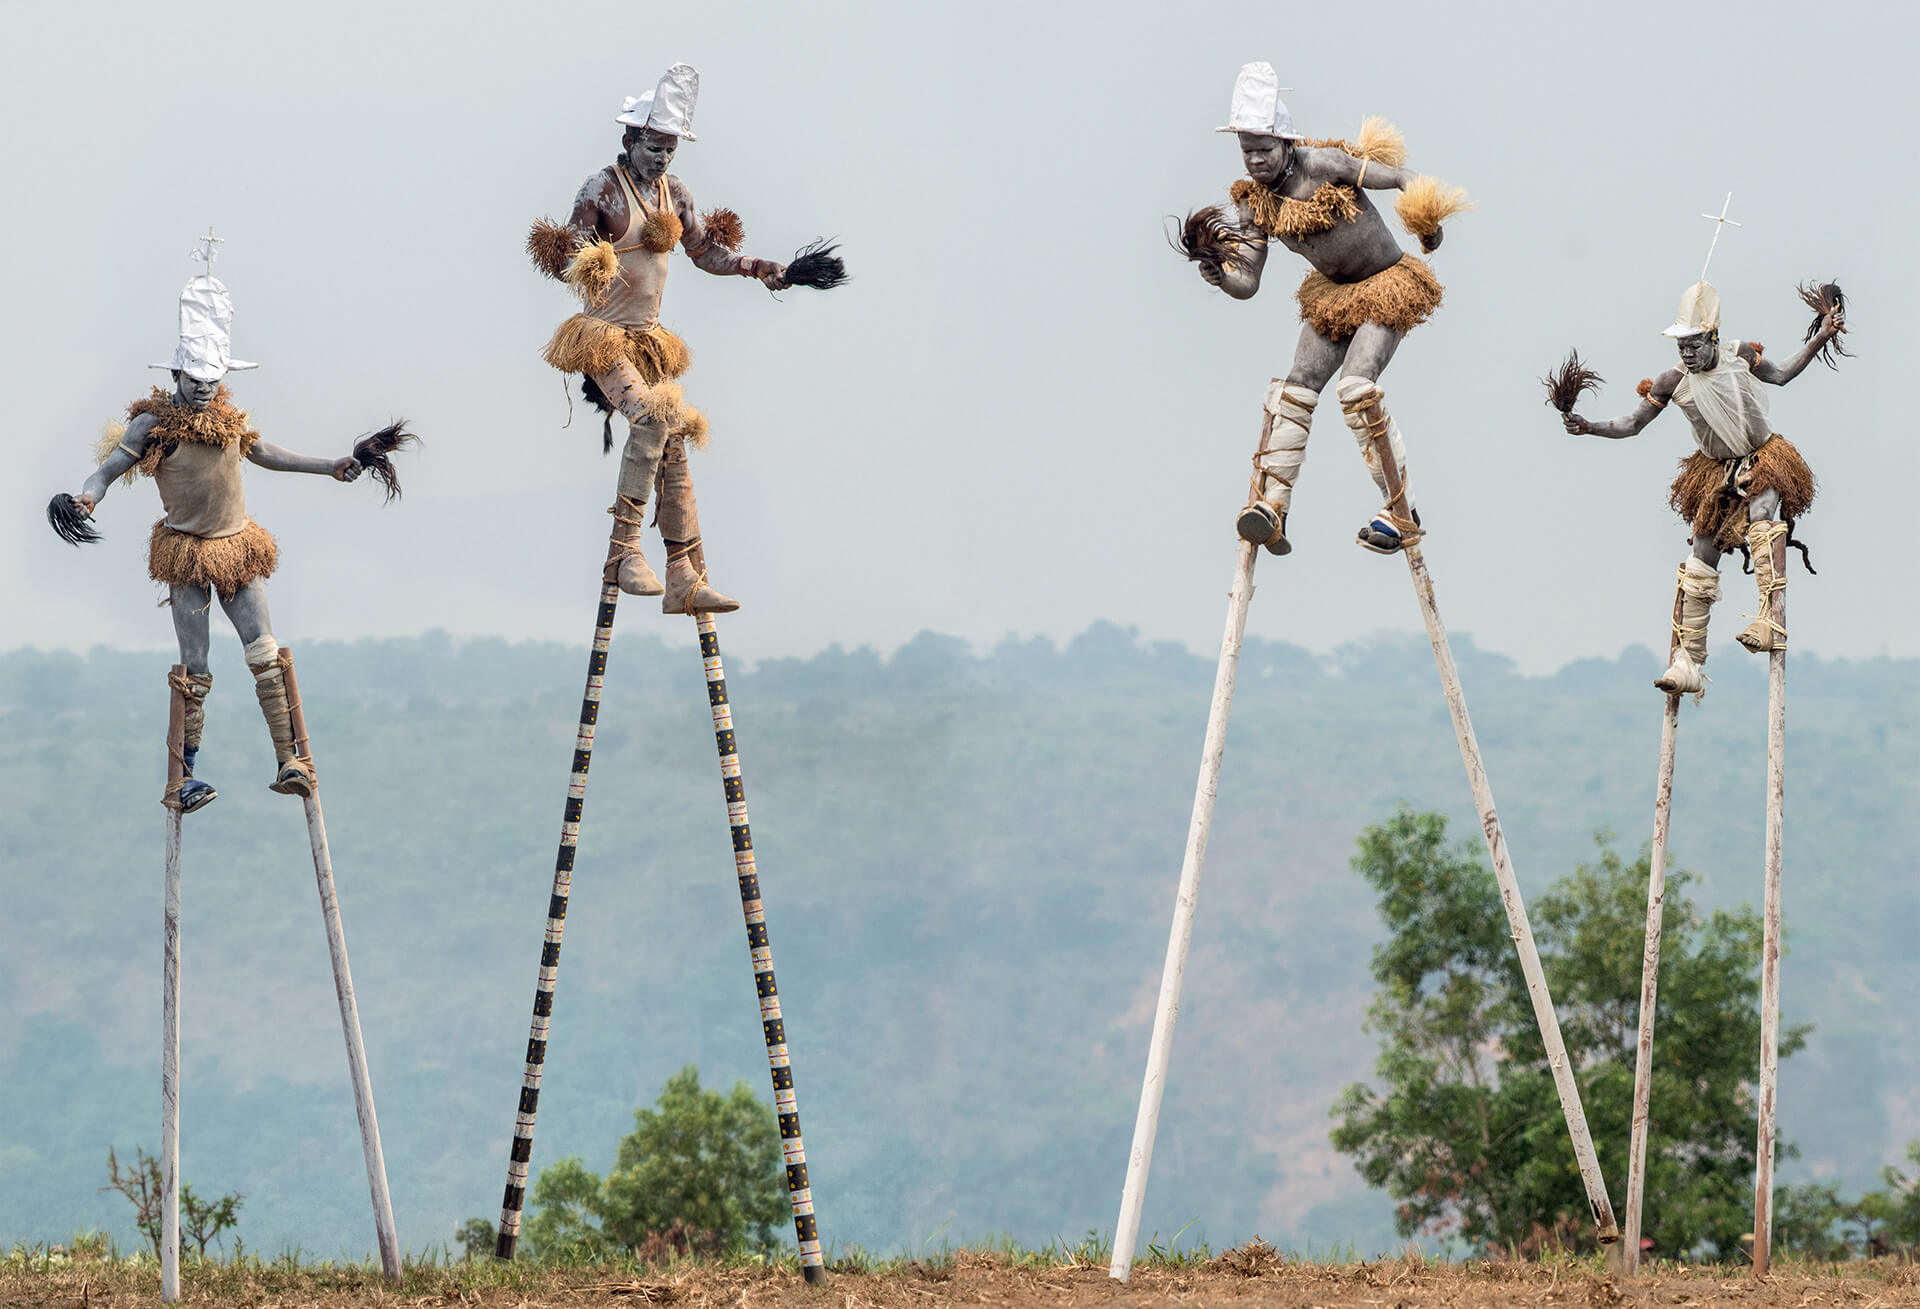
[(969, 862)]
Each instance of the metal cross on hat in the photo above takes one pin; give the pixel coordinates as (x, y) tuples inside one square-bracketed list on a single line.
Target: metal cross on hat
[(1720, 220), (204, 249)]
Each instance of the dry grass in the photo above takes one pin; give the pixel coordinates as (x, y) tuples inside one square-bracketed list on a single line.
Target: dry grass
[(1250, 1276)]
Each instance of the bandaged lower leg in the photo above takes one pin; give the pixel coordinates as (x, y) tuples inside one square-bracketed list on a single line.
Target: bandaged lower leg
[(1398, 522), (1276, 466), (687, 588), (268, 663), (192, 689), (1699, 588), (1763, 633), (649, 410)]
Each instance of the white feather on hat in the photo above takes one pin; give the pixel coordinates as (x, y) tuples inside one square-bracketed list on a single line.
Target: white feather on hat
[(668, 107), (1256, 105)]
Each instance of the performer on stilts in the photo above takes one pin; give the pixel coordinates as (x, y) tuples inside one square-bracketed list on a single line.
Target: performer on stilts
[(613, 251), (191, 441), (1744, 484), (1743, 487), (1361, 296)]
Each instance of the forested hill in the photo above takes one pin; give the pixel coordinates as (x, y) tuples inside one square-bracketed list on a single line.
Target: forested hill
[(968, 861)]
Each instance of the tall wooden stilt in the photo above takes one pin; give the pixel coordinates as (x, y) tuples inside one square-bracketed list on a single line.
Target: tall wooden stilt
[(1167, 1011), (1770, 950), (170, 999), (343, 988), (520, 1155), (806, 1228), (1606, 1228), (1650, 966)]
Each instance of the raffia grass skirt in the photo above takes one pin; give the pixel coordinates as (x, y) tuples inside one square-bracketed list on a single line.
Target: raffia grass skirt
[(1400, 297), (225, 563), (1709, 497), (585, 344)]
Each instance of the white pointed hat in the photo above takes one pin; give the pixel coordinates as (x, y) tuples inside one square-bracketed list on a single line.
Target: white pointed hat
[(668, 107), (206, 330), (1257, 106), (1699, 311)]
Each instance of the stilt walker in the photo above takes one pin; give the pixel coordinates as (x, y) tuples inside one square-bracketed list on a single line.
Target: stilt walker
[(191, 443), (1742, 488), (613, 251), (1361, 296)]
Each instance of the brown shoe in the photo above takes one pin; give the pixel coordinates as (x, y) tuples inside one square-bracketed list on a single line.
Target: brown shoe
[(295, 778), (1262, 524)]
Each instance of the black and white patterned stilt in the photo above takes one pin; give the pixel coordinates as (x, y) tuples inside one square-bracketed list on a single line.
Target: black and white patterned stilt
[(520, 1157), (800, 1192)]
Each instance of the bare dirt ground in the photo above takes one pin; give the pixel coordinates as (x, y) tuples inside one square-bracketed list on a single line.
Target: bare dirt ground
[(1249, 1278)]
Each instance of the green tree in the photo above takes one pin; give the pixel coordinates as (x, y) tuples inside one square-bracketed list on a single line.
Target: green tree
[(1804, 1217), (700, 1171), (1467, 1133)]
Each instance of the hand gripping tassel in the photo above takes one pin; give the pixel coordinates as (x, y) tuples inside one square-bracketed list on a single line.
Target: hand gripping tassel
[(799, 1191), (520, 1156)]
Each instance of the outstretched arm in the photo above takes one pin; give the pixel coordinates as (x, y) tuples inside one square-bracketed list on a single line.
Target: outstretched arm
[(1339, 166), (710, 250), (1618, 429), (1779, 374), (133, 445), (275, 459)]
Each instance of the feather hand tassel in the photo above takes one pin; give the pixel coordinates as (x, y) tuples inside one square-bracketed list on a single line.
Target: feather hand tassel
[(1823, 298), (1206, 236), (373, 453), (70, 522), (592, 269), (1428, 202), (817, 266), (1567, 383)]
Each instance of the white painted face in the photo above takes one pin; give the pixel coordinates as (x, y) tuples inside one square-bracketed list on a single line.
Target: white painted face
[(648, 151), (192, 392), (1266, 157), (1699, 352)]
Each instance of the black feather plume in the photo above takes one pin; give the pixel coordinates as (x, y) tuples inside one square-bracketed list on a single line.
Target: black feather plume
[(1571, 380), (70, 522), (1204, 236), (817, 266), (1821, 298), (373, 452), (598, 399)]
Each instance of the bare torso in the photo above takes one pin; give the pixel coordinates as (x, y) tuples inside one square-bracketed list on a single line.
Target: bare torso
[(1347, 252)]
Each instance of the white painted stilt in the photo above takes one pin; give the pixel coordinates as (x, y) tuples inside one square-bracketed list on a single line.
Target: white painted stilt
[(1770, 950), (1606, 1228), (1650, 969), (1167, 1011), (343, 988), (170, 1002)]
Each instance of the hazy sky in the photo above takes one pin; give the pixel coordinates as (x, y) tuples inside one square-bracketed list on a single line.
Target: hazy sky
[(1025, 413)]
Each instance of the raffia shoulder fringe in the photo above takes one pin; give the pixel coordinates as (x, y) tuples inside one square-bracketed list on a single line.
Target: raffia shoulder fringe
[(1379, 142), (225, 563), (1401, 296), (585, 344), (1712, 494), (1280, 215), (219, 424)]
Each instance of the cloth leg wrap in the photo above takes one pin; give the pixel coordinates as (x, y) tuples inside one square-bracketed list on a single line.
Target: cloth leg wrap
[(193, 688), (648, 412), (1699, 588), (678, 515), (270, 687), (1277, 462), (1357, 396), (1763, 634)]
